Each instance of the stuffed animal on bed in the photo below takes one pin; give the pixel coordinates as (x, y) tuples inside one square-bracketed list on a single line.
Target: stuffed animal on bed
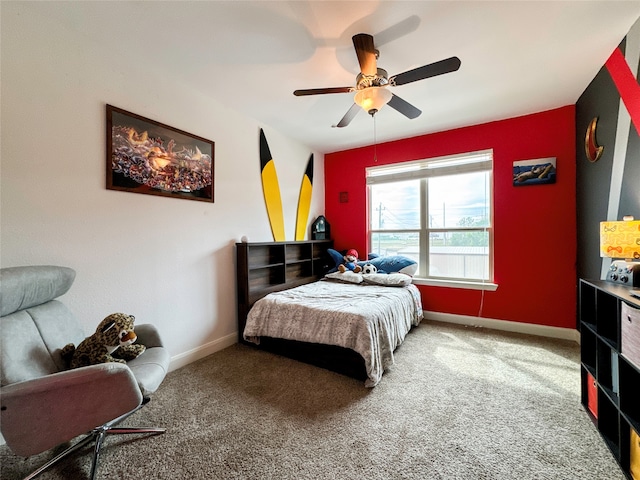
[(384, 264), (112, 342), (349, 262), (392, 264)]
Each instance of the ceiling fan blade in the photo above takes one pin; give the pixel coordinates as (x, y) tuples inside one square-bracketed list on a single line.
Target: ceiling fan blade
[(404, 107), (350, 115), (433, 69), (321, 91), (366, 52)]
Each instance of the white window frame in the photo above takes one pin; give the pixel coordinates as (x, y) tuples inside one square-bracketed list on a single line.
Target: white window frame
[(423, 170)]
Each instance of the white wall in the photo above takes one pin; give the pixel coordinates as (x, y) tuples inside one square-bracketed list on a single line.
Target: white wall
[(168, 261)]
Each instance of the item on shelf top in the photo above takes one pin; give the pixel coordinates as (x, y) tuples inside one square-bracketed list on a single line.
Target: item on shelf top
[(621, 240), (320, 229), (625, 273)]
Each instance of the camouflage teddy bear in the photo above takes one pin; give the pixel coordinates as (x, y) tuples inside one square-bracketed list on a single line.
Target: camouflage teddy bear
[(112, 342)]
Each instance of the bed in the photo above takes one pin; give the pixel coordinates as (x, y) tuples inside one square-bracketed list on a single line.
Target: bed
[(355, 318)]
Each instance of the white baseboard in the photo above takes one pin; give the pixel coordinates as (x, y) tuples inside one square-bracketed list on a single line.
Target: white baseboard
[(506, 325), (202, 351)]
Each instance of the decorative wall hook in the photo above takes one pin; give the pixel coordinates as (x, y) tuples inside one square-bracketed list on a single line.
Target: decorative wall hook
[(591, 148)]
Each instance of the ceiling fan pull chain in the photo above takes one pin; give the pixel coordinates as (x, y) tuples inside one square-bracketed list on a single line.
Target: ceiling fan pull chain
[(375, 143)]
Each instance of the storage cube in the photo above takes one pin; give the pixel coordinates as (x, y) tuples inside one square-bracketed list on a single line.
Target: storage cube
[(592, 395), (630, 329), (634, 455)]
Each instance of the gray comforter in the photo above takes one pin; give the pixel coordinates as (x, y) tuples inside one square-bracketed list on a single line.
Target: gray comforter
[(372, 320)]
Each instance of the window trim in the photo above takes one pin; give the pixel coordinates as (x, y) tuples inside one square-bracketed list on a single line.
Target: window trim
[(471, 162), (478, 161), (469, 285)]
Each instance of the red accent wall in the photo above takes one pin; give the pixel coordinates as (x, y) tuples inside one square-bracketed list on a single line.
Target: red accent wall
[(534, 226)]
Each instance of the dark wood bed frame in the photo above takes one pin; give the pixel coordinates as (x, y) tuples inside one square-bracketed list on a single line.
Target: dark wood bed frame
[(267, 267)]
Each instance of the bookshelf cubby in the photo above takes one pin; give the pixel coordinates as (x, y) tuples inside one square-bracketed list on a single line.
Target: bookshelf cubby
[(616, 376), (268, 267)]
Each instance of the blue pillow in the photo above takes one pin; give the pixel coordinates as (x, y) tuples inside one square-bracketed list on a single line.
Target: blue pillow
[(393, 264), (337, 257)]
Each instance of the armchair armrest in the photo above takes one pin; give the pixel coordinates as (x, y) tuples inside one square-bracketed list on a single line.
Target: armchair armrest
[(151, 367), (148, 335), (41, 413)]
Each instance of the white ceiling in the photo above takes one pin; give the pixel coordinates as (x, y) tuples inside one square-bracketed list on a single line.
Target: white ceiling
[(517, 57)]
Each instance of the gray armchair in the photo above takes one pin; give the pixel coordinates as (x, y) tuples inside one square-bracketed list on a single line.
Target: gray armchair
[(42, 402)]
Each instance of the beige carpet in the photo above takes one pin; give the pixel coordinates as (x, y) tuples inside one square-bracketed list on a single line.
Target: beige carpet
[(459, 403)]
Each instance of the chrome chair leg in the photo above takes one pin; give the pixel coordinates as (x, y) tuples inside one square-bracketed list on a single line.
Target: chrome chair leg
[(60, 456), (98, 434)]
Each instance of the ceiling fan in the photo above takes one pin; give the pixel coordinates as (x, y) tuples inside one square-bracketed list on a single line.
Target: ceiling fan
[(372, 82)]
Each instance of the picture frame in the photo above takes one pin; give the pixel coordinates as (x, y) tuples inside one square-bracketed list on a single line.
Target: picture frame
[(146, 156), (534, 172)]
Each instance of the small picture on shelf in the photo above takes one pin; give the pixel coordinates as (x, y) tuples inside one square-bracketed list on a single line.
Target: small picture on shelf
[(320, 229), (534, 172)]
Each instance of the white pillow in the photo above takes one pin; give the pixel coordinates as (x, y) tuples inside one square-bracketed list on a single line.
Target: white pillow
[(388, 279), (348, 276)]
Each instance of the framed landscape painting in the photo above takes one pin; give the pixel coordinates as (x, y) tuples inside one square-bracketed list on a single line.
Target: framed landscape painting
[(145, 156)]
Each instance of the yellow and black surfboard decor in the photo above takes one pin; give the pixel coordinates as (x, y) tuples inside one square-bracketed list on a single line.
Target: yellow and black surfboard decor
[(271, 190), (304, 201)]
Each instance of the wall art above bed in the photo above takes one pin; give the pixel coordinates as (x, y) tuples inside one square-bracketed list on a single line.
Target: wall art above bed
[(145, 156)]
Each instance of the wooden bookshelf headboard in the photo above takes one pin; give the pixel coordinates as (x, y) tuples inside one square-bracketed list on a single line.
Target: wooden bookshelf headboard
[(262, 268)]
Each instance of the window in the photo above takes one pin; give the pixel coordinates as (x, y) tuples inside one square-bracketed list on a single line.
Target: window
[(438, 212)]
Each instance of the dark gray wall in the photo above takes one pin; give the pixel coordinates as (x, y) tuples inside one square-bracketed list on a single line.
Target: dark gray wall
[(601, 99)]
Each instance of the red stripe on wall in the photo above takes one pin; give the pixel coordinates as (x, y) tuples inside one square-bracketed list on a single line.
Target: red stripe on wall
[(627, 85)]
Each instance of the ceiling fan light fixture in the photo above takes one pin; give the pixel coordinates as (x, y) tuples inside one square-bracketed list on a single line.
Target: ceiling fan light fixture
[(372, 99)]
